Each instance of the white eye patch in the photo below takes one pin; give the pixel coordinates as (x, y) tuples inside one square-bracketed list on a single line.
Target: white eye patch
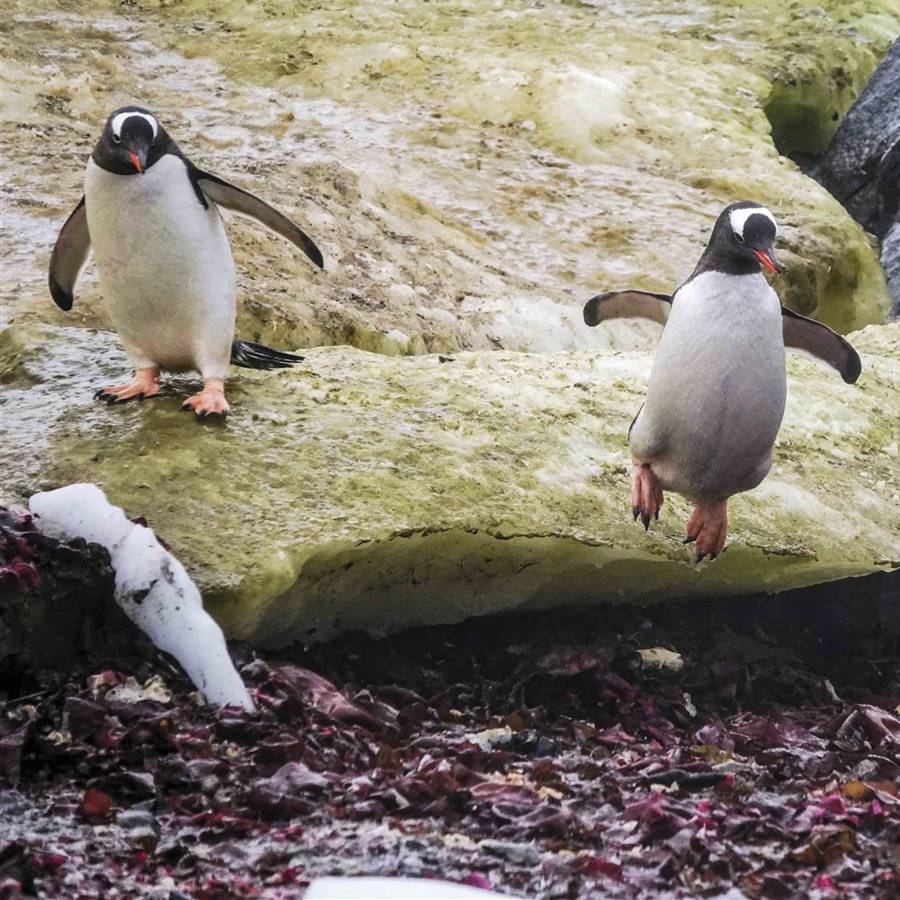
[(121, 118), (738, 218)]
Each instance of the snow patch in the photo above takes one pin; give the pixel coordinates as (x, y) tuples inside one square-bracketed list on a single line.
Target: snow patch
[(369, 888), (152, 587), (793, 499)]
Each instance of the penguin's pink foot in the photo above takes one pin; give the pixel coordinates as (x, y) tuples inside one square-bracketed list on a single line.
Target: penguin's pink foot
[(210, 401), (708, 526), (646, 494), (144, 385)]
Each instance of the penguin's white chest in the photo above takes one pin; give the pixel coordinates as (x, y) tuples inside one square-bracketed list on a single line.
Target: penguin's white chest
[(717, 388), (166, 269)]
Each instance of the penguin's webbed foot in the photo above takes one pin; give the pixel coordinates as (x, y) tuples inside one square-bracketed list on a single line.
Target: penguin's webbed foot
[(210, 401), (144, 385), (646, 494), (708, 526)]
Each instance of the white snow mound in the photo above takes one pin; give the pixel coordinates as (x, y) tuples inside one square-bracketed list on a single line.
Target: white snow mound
[(152, 587)]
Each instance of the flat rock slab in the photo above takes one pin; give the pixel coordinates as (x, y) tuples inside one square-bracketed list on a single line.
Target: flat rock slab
[(375, 492)]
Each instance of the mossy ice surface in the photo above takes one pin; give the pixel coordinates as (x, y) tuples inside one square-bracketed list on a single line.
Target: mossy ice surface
[(473, 171), (361, 490), (670, 90)]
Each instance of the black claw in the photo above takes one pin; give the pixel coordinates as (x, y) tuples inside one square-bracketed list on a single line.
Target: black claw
[(99, 393), (689, 539), (712, 556), (635, 511), (186, 406), (700, 558), (211, 417), (645, 518), (656, 514), (141, 397)]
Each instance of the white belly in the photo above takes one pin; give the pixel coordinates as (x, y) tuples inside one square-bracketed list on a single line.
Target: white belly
[(166, 269), (717, 388)]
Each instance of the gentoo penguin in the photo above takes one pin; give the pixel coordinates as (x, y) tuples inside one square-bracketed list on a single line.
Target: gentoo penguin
[(166, 269), (717, 387)]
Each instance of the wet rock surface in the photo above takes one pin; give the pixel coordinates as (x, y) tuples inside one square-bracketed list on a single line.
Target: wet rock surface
[(365, 491), (534, 754), (472, 174)]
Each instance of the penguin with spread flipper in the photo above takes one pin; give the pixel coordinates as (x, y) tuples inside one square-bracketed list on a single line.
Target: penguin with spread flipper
[(717, 388), (152, 219)]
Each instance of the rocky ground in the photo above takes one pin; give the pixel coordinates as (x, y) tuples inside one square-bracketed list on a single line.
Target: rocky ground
[(671, 751), (473, 172)]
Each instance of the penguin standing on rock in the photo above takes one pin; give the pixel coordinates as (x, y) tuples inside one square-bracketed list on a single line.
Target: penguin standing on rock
[(166, 269), (717, 388)]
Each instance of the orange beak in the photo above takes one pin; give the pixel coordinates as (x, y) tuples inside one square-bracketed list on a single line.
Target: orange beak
[(766, 261), (136, 160)]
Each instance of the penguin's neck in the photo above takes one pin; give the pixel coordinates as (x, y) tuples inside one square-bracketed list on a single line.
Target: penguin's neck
[(715, 260)]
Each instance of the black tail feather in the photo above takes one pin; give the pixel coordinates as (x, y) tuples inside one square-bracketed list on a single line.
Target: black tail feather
[(248, 355)]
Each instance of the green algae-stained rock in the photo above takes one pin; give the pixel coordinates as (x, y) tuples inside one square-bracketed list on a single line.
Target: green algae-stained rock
[(361, 490), (473, 170), (653, 111)]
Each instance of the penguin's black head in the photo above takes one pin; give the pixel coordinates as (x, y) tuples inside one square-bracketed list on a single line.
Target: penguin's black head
[(131, 142), (742, 240)]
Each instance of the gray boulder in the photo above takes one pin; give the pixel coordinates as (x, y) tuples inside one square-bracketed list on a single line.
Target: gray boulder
[(890, 259), (861, 165)]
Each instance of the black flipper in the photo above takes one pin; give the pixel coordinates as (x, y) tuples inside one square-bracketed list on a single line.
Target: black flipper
[(627, 304), (70, 253), (240, 201), (248, 355), (822, 342)]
